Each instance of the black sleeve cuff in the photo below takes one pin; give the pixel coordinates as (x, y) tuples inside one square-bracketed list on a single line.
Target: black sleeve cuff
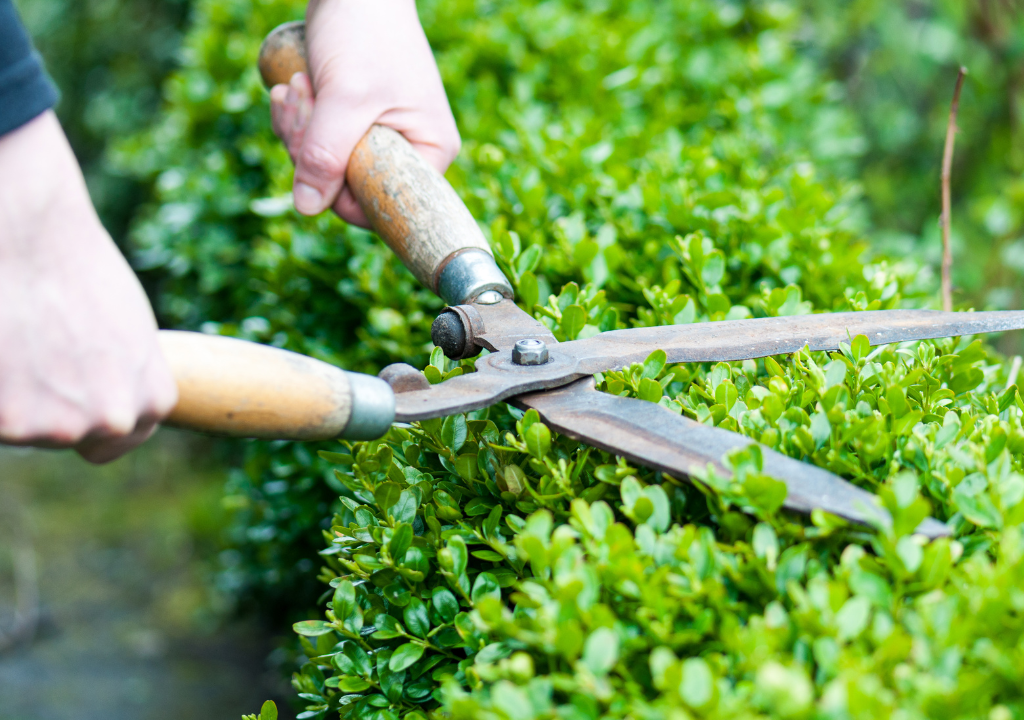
[(25, 89), (25, 92)]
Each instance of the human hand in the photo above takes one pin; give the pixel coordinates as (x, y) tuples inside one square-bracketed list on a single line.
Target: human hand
[(79, 362), (370, 63)]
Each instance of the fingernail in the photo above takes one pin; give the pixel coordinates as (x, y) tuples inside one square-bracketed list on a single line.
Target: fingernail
[(308, 199)]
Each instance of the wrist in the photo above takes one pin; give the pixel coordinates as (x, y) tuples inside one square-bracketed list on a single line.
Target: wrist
[(41, 185)]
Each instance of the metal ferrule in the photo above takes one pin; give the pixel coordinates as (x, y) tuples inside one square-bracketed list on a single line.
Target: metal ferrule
[(468, 274), (373, 408)]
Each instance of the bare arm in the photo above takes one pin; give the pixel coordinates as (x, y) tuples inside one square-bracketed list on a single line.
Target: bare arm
[(79, 361)]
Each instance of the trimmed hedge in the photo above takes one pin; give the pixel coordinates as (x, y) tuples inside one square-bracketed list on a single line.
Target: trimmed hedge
[(634, 163)]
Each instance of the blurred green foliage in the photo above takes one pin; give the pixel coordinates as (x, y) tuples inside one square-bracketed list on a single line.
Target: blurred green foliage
[(898, 64), (108, 58)]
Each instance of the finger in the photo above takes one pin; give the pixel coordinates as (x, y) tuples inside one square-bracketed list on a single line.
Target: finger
[(299, 109), (283, 113), (348, 209), (278, 107), (99, 450), (334, 129)]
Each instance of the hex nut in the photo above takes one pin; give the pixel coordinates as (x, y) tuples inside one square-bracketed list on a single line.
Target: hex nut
[(530, 352)]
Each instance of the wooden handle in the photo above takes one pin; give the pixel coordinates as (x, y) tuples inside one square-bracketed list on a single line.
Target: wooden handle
[(408, 202), (243, 389)]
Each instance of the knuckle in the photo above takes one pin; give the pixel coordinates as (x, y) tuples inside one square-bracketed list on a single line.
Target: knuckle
[(113, 423)]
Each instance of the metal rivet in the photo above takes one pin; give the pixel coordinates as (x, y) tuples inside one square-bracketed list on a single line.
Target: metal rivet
[(489, 297), (530, 352)]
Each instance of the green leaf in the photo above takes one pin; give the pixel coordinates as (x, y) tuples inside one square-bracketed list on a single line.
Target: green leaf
[(696, 687), (529, 291), (401, 539), (860, 347), (346, 608), (445, 604), (268, 711), (910, 553), (386, 494), (538, 440), (415, 616), (601, 651), (631, 490), (661, 514), (312, 628), (852, 618), (714, 269), (654, 364), (353, 684), (337, 459), (766, 544), (650, 390), (404, 656), (979, 510), (528, 259), (353, 660), (687, 315), (574, 318), (454, 432), (404, 510), (966, 380), (387, 627), (460, 555), (437, 359), (485, 586)]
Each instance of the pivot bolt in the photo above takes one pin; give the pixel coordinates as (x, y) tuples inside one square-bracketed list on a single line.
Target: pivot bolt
[(489, 297), (530, 352)]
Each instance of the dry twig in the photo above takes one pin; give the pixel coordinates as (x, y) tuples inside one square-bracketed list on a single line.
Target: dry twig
[(947, 170)]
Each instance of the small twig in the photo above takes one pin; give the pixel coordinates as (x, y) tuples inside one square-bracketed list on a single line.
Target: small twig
[(947, 170)]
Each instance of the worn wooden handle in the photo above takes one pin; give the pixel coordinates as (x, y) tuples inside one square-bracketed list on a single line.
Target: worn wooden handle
[(408, 202), (243, 389)]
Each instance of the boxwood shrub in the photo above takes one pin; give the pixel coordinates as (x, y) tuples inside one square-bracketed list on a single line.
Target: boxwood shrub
[(633, 163)]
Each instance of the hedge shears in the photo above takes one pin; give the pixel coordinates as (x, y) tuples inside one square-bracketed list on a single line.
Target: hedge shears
[(242, 389)]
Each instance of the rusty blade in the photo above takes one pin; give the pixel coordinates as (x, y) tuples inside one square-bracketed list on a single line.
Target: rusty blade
[(497, 378), (497, 327), (745, 339), (657, 438)]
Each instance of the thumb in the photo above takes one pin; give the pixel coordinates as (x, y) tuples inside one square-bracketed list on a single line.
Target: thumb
[(320, 163)]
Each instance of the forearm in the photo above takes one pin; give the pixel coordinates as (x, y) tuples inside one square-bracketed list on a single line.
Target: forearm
[(25, 90)]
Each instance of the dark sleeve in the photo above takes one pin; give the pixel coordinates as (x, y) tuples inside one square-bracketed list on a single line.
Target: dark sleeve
[(25, 89)]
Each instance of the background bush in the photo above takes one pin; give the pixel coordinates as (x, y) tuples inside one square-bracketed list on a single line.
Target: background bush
[(897, 63), (634, 163), (109, 59)]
